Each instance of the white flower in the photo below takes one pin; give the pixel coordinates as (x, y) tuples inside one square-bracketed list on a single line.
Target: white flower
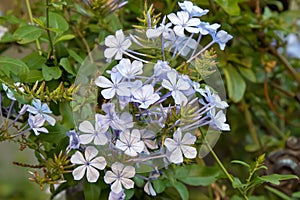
[(148, 137), (97, 134), (178, 146), (115, 86), (182, 21), (42, 109), (218, 120), (3, 30), (117, 45), (161, 68), (88, 163), (163, 30), (36, 122), (206, 28), (130, 70), (120, 177), (145, 96), (9, 93), (176, 86), (130, 143), (191, 9)]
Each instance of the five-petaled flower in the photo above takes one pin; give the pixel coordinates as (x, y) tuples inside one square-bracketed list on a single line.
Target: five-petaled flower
[(89, 164), (130, 142), (176, 86), (183, 21), (36, 122), (145, 96), (178, 146), (130, 70), (218, 120), (41, 109), (192, 9), (96, 133), (222, 37), (119, 177), (117, 45)]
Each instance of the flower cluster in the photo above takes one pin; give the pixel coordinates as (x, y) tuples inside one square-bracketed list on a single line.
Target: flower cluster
[(39, 113), (151, 111)]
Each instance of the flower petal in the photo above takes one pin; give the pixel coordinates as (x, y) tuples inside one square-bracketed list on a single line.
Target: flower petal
[(86, 127), (90, 153), (109, 177), (92, 174), (77, 158), (116, 186), (128, 172), (127, 183), (189, 152), (99, 163), (176, 156), (79, 172)]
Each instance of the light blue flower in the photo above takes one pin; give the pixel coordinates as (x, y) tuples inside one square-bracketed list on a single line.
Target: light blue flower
[(183, 21), (113, 87), (130, 70), (222, 37), (36, 122), (117, 196), (179, 146), (145, 96), (206, 28), (163, 29), (192, 9), (130, 142), (176, 86), (212, 99), (42, 109), (74, 141), (9, 93), (117, 45), (88, 164), (218, 120)]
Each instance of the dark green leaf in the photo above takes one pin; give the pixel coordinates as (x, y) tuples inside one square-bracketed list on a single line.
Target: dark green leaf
[(248, 74), (199, 181), (57, 23), (92, 191), (278, 193), (75, 56), (241, 163), (182, 190), (235, 84), (33, 76), (27, 34), (67, 115), (11, 65), (50, 73), (159, 185), (56, 133), (64, 62), (34, 60)]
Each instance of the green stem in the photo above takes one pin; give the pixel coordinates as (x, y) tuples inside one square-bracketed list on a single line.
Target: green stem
[(50, 53), (223, 168), (38, 45)]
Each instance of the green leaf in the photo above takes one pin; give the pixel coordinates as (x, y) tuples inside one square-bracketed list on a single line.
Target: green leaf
[(34, 60), (64, 38), (11, 65), (57, 23), (139, 181), (50, 73), (231, 7), (237, 183), (235, 84), (67, 115), (91, 191), (75, 56), (33, 76), (248, 74), (241, 163), (56, 133), (296, 195), (278, 193), (64, 62), (198, 181), (27, 34), (182, 190), (276, 178), (159, 185)]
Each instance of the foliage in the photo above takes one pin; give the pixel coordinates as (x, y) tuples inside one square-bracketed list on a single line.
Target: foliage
[(260, 73)]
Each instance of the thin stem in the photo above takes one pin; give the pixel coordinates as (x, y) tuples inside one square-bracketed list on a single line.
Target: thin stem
[(50, 53), (223, 168), (38, 45)]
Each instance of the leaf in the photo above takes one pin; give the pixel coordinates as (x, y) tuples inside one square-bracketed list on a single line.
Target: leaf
[(64, 62), (33, 76), (159, 185), (67, 115), (278, 193), (27, 34), (231, 7), (64, 38), (50, 73), (91, 191), (241, 163), (34, 60), (296, 195), (237, 183), (276, 178), (57, 23), (56, 133), (235, 84), (248, 74), (11, 65), (182, 190), (198, 181), (75, 56)]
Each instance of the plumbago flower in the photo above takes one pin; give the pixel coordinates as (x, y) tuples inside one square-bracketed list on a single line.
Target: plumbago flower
[(153, 103), (41, 109)]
